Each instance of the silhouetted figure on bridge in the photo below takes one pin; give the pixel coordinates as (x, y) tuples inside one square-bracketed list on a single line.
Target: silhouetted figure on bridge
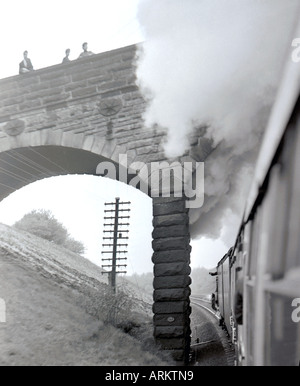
[(85, 52), (66, 59), (26, 65)]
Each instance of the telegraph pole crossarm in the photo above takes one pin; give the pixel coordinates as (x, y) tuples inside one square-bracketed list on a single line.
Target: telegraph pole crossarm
[(117, 234)]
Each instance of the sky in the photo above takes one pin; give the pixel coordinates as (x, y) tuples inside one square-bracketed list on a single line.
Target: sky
[(46, 29)]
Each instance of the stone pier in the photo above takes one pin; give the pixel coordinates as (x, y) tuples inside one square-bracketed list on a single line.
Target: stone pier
[(171, 258)]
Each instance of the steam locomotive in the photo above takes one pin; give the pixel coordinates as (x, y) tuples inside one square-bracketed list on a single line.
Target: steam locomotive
[(258, 280)]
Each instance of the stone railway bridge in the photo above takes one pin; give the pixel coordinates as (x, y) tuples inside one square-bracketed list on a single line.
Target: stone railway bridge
[(66, 119)]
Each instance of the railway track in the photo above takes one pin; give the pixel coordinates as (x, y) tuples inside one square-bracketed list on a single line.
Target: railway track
[(205, 304), (221, 337)]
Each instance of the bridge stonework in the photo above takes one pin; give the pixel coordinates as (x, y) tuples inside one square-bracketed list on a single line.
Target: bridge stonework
[(66, 119)]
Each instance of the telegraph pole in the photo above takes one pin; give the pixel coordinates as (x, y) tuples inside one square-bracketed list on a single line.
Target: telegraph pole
[(114, 232)]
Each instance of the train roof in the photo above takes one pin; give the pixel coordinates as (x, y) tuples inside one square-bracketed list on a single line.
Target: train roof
[(286, 100)]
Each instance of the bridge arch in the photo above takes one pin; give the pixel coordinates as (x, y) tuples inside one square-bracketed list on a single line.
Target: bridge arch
[(67, 119)]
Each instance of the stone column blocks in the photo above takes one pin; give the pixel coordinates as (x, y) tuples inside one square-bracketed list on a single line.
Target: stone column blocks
[(171, 258)]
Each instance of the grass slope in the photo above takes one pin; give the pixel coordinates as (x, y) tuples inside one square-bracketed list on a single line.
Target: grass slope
[(57, 308)]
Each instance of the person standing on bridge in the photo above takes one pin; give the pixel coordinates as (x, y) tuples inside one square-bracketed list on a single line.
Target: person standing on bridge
[(26, 65), (66, 59), (85, 52)]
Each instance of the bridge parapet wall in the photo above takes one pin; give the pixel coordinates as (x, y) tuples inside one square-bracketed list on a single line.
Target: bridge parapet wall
[(96, 98)]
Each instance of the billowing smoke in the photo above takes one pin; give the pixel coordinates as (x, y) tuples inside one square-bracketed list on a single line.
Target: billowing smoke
[(216, 64)]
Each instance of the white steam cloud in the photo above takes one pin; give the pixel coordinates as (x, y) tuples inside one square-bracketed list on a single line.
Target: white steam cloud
[(210, 61), (215, 63)]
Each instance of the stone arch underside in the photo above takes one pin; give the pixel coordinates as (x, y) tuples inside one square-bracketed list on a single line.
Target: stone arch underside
[(23, 166)]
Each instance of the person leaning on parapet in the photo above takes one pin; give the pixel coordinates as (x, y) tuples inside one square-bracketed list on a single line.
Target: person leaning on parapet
[(85, 52), (66, 59), (25, 65)]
